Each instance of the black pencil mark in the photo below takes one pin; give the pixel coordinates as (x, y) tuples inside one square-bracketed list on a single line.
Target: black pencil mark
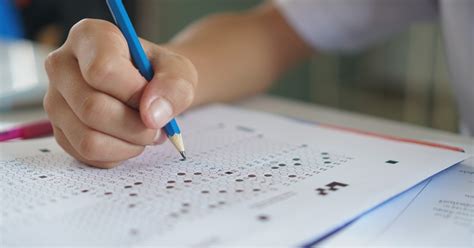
[(245, 129), (263, 218)]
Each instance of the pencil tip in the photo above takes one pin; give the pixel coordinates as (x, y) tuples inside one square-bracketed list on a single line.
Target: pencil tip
[(183, 155)]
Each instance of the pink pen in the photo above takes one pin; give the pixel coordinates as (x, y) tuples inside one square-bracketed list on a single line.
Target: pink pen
[(28, 131)]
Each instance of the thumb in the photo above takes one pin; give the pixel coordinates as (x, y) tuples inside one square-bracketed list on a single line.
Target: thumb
[(170, 91)]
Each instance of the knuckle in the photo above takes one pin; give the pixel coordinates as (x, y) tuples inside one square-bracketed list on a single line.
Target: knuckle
[(185, 91), (89, 147), (93, 108), (61, 140), (99, 71), (47, 103), (88, 27), (192, 74), (52, 61), (180, 58), (62, 143), (83, 26)]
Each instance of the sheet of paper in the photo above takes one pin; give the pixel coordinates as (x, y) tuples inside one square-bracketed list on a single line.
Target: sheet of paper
[(437, 212), (251, 179)]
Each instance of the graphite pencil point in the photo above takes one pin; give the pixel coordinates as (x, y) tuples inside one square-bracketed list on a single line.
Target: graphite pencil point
[(183, 155)]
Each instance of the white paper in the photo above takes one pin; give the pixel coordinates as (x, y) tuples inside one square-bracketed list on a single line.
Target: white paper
[(437, 212), (251, 179)]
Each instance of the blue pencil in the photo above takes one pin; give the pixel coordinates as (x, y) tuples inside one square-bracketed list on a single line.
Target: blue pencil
[(143, 64)]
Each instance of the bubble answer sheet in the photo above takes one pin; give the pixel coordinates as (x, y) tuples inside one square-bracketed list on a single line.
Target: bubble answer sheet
[(251, 178)]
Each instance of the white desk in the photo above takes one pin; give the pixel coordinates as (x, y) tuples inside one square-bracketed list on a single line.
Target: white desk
[(317, 113)]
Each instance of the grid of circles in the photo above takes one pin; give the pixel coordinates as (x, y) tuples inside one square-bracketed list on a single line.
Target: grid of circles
[(154, 197)]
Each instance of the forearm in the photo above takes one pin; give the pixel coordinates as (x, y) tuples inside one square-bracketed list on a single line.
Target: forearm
[(239, 54)]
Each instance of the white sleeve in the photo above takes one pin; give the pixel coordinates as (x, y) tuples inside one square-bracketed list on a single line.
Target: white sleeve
[(345, 25)]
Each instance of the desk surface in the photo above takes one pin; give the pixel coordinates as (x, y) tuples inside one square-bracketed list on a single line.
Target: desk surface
[(318, 113), (309, 112)]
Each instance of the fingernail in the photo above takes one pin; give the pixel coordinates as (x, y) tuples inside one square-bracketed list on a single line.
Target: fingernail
[(160, 110)]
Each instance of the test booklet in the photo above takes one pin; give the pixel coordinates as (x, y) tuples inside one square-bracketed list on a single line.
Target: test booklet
[(251, 179), (439, 212)]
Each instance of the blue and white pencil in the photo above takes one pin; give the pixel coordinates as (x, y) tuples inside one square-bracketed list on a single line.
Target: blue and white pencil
[(140, 59)]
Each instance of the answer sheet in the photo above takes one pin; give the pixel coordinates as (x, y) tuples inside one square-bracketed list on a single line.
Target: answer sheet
[(250, 179)]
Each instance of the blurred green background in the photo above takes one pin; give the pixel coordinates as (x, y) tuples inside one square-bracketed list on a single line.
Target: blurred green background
[(404, 78)]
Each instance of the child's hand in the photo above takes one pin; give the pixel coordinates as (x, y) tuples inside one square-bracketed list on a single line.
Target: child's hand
[(103, 111)]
